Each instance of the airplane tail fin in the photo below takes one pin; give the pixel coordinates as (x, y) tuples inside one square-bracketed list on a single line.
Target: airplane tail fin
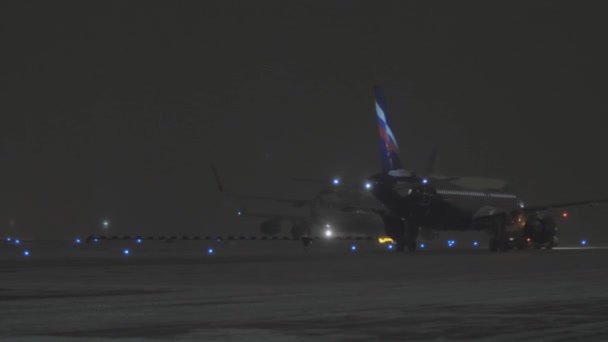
[(388, 144)]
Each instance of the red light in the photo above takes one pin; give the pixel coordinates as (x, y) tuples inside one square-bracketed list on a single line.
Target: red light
[(565, 214)]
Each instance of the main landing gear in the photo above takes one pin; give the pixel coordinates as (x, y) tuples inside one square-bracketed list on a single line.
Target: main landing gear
[(499, 240), (409, 240)]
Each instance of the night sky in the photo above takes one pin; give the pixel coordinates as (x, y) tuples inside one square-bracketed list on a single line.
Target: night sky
[(116, 108)]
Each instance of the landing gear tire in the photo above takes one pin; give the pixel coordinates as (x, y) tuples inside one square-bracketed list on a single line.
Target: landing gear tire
[(499, 241), (503, 245), (411, 245), (401, 242), (493, 244), (412, 237)]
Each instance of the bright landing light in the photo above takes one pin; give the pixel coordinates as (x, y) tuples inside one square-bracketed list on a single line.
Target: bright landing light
[(368, 185), (424, 181), (328, 233)]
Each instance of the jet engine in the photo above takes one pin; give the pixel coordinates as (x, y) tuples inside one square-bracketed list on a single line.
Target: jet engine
[(300, 229), (540, 230), (271, 227)]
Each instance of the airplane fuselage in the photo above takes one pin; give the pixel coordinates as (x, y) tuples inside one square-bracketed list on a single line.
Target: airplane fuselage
[(444, 203)]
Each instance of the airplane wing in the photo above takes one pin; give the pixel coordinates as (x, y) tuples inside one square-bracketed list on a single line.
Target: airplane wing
[(565, 205), (363, 210), (298, 203), (335, 183), (268, 215)]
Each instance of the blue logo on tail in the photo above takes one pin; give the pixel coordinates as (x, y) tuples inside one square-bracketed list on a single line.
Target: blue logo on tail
[(388, 144)]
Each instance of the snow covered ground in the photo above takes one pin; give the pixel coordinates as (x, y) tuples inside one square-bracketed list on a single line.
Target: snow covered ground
[(279, 291)]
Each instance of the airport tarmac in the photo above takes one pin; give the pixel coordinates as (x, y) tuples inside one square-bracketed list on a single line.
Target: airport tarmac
[(281, 291)]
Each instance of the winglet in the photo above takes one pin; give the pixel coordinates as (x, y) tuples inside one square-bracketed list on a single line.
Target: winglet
[(218, 181)]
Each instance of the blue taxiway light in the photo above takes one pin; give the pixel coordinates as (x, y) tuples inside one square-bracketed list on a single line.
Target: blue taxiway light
[(422, 245), (424, 181), (584, 242), (125, 252), (390, 246), (8, 239), (368, 185), (475, 243), (210, 251), (26, 253), (138, 241), (353, 248), (336, 181), (77, 240), (17, 241)]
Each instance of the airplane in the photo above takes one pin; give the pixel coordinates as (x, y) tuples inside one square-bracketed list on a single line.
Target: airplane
[(323, 216), (413, 202)]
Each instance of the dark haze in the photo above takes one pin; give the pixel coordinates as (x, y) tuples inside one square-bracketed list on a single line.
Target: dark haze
[(116, 108)]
